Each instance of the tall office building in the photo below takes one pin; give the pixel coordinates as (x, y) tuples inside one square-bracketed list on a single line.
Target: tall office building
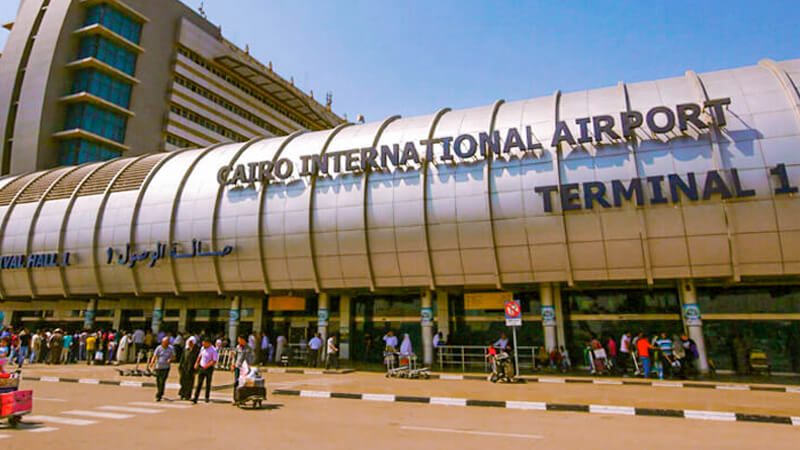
[(91, 80)]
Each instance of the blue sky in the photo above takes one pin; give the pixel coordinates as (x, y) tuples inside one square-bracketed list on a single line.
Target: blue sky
[(413, 57)]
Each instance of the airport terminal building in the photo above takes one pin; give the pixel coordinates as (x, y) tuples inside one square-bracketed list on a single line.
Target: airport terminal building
[(663, 205)]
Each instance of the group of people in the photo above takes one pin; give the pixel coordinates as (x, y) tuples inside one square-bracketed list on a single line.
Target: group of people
[(660, 354), (315, 352), (196, 360)]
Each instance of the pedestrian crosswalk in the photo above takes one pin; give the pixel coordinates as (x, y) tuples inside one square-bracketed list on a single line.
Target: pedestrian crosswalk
[(44, 423)]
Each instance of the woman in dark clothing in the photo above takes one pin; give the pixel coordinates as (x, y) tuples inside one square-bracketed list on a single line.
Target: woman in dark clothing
[(187, 370)]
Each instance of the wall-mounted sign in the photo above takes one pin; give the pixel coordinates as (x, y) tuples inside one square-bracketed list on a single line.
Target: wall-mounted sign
[(600, 129), (691, 314), (34, 260), (322, 317), (129, 258), (548, 316), (426, 315), (486, 300), (286, 303)]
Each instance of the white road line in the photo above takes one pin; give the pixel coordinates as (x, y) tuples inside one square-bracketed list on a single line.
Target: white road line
[(606, 409), (130, 409), (796, 421), (666, 384), (126, 383), (447, 401), (313, 372), (88, 381), (4, 436), (733, 387), (316, 394), (48, 399), (41, 430), (98, 414), (606, 382), (450, 377), (552, 380), (50, 379), (478, 433), (160, 405), (173, 385), (378, 397), (710, 415), (60, 420), (793, 390), (538, 406)]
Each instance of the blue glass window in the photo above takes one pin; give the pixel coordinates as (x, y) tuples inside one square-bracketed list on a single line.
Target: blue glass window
[(96, 120), (103, 86), (79, 151), (108, 52), (115, 21)]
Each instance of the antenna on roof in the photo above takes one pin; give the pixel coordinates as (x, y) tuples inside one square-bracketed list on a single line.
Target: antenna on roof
[(329, 100), (202, 11)]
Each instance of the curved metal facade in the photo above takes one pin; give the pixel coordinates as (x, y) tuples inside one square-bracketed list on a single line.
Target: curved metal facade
[(474, 222)]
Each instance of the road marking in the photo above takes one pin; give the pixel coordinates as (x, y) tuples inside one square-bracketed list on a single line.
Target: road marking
[(793, 390), (50, 379), (451, 377), (102, 415), (160, 405), (666, 384), (478, 433), (607, 382), (378, 397), (173, 385), (606, 409), (538, 406), (60, 420), (710, 415), (552, 380), (316, 394), (796, 421), (4, 436), (130, 383), (88, 381), (130, 409), (447, 401), (48, 399), (733, 387), (314, 372), (41, 430)]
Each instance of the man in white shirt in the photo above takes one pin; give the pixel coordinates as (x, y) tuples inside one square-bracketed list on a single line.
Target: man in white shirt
[(205, 365), (391, 342), (501, 343), (138, 341), (333, 354), (624, 352)]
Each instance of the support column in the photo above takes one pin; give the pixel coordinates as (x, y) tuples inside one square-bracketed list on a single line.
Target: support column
[(344, 327), (561, 339), (692, 321), (5, 317), (443, 314), (88, 316), (117, 321), (183, 318), (258, 316), (548, 316), (158, 313), (233, 319), (323, 314), (426, 316)]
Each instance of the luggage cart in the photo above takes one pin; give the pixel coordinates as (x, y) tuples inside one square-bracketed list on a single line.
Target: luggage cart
[(251, 389), (14, 403)]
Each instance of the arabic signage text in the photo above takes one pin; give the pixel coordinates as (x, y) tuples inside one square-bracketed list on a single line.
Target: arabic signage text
[(128, 257)]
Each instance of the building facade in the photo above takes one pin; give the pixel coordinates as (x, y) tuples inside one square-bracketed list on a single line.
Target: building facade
[(86, 80), (668, 205)]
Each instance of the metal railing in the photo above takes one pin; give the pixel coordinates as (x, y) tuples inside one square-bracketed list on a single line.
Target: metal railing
[(476, 357)]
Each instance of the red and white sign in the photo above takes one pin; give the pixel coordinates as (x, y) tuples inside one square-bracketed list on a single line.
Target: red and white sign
[(513, 313)]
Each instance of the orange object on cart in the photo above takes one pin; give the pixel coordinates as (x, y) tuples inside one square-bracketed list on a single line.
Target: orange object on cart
[(16, 402)]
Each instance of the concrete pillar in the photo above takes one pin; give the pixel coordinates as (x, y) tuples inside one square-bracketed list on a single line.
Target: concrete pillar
[(158, 314), (443, 314), (183, 318), (548, 316), (690, 312), (426, 315), (323, 314), (233, 319), (88, 316), (117, 321), (561, 339), (258, 315), (344, 326)]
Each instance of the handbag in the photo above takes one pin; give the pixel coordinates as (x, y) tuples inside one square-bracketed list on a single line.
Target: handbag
[(98, 355)]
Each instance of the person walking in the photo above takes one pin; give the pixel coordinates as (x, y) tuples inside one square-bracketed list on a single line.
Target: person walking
[(162, 357), (187, 370), (333, 354), (24, 346), (36, 347), (205, 362), (243, 354), (314, 345), (643, 348), (664, 344), (56, 346), (624, 352), (91, 343)]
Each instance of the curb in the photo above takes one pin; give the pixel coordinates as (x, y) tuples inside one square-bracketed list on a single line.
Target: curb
[(633, 382), (122, 383), (308, 371), (722, 416)]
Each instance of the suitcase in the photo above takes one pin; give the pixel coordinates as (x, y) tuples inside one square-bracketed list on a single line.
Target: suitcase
[(244, 392)]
